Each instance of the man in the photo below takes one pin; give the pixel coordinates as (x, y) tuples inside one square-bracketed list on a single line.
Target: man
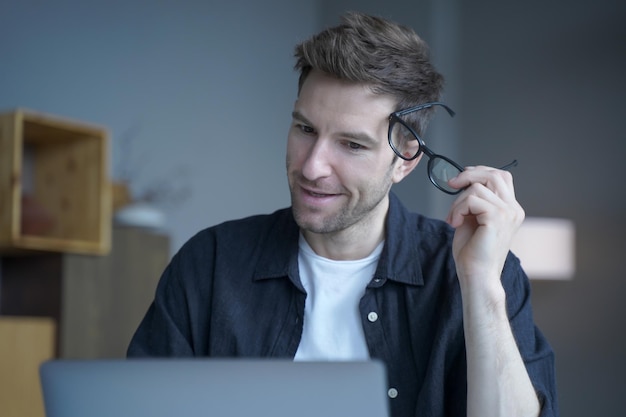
[(347, 272)]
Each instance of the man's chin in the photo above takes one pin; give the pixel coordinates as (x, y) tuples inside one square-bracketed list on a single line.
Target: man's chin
[(309, 222)]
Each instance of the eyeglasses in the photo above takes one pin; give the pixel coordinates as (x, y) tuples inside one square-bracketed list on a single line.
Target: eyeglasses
[(440, 168)]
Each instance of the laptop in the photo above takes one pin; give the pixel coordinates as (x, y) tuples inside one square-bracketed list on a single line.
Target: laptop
[(213, 387)]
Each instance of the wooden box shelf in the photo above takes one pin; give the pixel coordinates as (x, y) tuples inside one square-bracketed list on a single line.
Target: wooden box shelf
[(55, 194)]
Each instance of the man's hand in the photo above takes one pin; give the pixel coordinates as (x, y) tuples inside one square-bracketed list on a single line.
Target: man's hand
[(486, 217)]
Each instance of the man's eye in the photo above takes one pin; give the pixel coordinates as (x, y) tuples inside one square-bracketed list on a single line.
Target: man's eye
[(355, 146), (306, 129)]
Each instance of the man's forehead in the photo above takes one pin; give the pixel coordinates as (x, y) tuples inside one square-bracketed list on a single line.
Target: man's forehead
[(320, 81), (325, 98)]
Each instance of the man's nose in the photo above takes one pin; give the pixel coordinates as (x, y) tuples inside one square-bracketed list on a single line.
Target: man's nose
[(318, 162)]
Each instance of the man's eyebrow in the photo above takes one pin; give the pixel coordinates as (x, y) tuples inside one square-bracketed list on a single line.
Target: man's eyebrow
[(298, 116), (361, 137)]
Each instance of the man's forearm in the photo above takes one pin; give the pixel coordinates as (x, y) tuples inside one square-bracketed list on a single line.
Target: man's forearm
[(498, 383)]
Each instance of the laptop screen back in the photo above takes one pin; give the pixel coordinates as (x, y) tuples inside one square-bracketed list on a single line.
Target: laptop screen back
[(213, 387)]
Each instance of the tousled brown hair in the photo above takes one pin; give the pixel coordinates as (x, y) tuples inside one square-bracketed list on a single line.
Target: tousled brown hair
[(389, 57)]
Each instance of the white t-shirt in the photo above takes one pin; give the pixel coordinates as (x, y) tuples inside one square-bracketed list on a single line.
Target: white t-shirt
[(332, 323)]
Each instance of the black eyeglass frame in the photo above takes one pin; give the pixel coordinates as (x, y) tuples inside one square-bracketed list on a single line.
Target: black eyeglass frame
[(395, 117)]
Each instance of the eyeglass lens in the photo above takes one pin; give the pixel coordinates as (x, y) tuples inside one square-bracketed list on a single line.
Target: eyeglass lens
[(442, 171)]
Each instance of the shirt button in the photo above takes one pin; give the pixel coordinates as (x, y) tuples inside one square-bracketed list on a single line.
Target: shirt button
[(392, 393), (372, 316)]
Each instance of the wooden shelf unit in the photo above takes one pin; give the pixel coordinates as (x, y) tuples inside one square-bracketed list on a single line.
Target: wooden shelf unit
[(55, 194)]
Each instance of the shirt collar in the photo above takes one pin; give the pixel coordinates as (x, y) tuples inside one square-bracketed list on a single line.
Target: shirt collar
[(398, 260), (279, 249)]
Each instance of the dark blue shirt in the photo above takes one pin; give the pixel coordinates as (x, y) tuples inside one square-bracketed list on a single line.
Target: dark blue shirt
[(233, 290)]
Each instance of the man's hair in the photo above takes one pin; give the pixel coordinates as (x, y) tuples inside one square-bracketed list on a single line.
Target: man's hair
[(389, 57)]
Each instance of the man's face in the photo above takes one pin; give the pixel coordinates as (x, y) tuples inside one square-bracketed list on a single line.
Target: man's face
[(339, 163)]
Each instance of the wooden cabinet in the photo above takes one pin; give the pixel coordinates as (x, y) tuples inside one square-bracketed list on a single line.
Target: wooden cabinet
[(96, 301)]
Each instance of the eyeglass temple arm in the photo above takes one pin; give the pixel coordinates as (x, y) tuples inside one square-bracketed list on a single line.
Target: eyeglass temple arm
[(426, 106), (509, 165)]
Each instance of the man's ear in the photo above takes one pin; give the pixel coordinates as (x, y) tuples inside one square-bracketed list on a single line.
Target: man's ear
[(403, 168)]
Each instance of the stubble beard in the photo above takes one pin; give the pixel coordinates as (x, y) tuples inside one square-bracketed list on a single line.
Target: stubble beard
[(310, 220)]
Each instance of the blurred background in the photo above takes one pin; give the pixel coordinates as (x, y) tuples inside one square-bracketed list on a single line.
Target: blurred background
[(197, 94)]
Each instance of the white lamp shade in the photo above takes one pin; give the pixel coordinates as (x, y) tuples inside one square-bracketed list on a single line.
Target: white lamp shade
[(546, 248)]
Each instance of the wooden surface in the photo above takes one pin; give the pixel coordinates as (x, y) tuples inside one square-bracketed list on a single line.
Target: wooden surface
[(106, 297), (25, 343), (10, 157)]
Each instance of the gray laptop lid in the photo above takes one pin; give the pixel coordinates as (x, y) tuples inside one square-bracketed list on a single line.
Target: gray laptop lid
[(213, 387)]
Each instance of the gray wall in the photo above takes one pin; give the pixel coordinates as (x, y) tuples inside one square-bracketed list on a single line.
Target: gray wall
[(197, 93), (544, 82), (207, 87)]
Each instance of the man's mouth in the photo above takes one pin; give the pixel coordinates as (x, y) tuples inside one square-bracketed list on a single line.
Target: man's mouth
[(317, 194)]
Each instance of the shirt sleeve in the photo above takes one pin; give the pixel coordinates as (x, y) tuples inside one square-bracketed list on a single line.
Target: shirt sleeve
[(165, 329), (536, 352)]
